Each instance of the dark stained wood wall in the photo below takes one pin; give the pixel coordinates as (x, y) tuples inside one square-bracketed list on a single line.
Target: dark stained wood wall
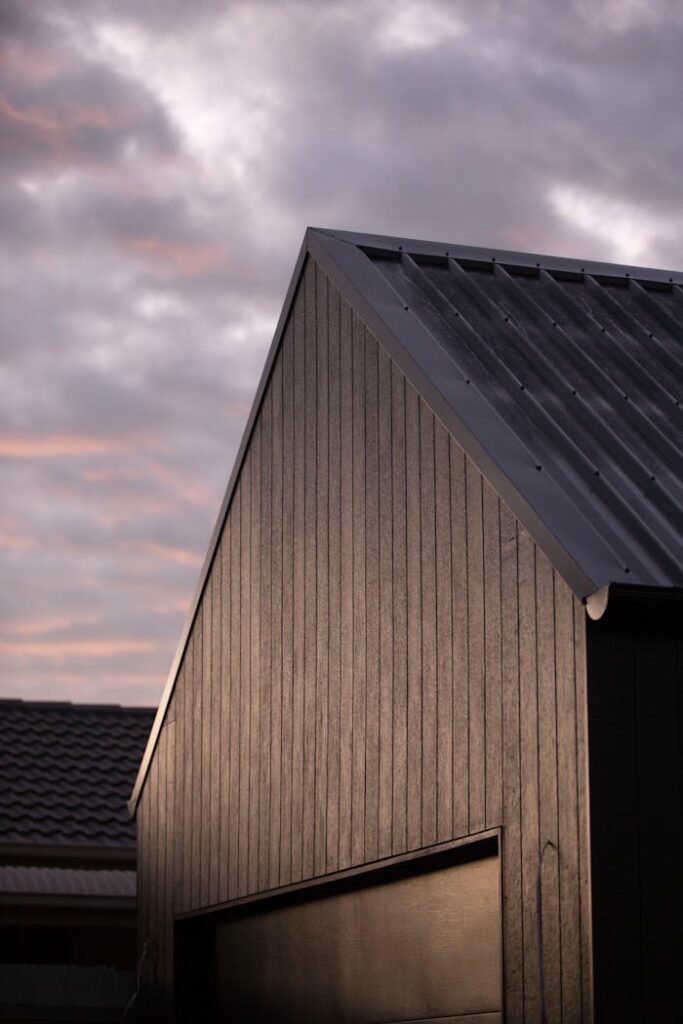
[(636, 778), (382, 660)]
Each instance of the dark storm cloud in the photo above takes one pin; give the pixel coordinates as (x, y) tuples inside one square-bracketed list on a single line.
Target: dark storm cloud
[(158, 164)]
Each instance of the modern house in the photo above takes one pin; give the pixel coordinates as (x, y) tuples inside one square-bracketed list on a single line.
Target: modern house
[(420, 752), (67, 859)]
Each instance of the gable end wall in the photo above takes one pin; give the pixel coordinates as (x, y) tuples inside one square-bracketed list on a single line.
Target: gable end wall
[(382, 660)]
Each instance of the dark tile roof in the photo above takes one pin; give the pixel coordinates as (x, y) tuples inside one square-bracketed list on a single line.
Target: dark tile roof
[(20, 880), (562, 379), (67, 771)]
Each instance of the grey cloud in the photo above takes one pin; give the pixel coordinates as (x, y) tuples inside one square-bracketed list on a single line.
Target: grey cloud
[(140, 291), (88, 118), (475, 141)]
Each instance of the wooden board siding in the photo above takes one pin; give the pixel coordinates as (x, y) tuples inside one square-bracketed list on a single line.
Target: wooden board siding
[(397, 665)]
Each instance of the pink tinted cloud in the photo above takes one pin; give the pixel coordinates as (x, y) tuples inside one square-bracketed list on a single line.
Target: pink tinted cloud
[(61, 137), (189, 490), (173, 607), (14, 537), (49, 624), (184, 258), (90, 648), (163, 552), (125, 508), (31, 65), (16, 446), (183, 488), (34, 121)]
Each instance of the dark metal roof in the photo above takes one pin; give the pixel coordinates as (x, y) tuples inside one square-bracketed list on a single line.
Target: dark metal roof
[(20, 880), (560, 378), (67, 770)]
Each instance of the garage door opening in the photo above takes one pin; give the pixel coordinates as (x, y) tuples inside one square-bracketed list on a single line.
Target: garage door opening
[(418, 940)]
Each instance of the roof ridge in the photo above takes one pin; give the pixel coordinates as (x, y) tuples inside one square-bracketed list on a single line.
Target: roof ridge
[(494, 254)]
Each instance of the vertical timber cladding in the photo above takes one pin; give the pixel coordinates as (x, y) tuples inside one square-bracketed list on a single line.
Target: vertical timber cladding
[(382, 660)]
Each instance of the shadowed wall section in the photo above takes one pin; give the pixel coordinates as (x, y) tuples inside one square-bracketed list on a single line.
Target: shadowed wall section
[(381, 660), (636, 782)]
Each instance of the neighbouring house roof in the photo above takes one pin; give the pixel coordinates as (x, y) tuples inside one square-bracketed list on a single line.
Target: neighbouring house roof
[(560, 378), (66, 772), (20, 880)]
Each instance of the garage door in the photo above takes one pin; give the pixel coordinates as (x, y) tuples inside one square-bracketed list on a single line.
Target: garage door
[(416, 943)]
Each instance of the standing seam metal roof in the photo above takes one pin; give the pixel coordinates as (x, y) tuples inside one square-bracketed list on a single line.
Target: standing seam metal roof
[(579, 366)]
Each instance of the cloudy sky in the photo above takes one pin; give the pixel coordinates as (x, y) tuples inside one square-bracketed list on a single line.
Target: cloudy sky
[(159, 163)]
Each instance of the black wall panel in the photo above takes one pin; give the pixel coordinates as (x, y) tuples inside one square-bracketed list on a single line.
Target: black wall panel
[(636, 777)]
